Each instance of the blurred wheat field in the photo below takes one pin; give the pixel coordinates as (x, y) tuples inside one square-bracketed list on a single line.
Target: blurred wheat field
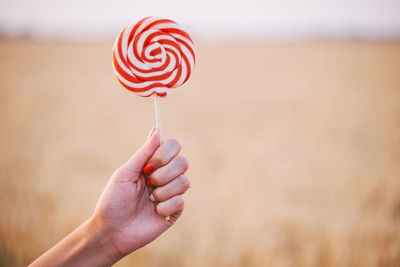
[(294, 150)]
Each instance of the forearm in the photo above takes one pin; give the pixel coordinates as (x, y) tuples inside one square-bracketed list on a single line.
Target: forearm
[(85, 246)]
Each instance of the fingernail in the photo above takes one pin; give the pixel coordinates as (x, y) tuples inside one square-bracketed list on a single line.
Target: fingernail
[(148, 182), (151, 132), (152, 198), (148, 168)]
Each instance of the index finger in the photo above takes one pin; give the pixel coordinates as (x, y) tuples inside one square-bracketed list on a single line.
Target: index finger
[(168, 149)]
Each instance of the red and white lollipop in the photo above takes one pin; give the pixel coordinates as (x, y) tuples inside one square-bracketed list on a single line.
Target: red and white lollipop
[(153, 55)]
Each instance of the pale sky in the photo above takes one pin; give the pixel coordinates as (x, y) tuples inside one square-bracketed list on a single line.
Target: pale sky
[(209, 19)]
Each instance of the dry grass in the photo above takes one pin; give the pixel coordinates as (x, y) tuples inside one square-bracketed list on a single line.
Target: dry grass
[(294, 150)]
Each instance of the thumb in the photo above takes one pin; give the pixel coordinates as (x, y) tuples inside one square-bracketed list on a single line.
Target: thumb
[(140, 158)]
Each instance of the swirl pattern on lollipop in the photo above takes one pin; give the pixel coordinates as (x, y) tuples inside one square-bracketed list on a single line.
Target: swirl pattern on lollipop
[(153, 55)]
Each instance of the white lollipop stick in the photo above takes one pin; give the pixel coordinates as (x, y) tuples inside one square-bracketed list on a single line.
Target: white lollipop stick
[(158, 122), (157, 112)]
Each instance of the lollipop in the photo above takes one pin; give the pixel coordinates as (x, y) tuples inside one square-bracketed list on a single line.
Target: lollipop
[(153, 55)]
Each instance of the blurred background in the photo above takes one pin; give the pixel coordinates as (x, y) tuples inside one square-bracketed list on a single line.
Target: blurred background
[(291, 123)]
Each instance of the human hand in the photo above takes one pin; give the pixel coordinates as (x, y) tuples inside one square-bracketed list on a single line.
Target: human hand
[(125, 214), (125, 218)]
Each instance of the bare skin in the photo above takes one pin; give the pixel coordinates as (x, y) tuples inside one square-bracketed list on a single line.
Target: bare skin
[(125, 219)]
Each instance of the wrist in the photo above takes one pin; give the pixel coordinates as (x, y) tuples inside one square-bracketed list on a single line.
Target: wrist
[(98, 237), (88, 245)]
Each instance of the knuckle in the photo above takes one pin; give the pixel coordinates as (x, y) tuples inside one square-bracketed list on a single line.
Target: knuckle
[(183, 162), (185, 182), (156, 179), (120, 172), (180, 202), (159, 209), (158, 161), (173, 142), (157, 194)]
